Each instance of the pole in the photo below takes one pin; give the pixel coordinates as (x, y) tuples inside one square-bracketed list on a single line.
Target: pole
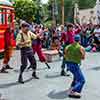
[(62, 12), (53, 13)]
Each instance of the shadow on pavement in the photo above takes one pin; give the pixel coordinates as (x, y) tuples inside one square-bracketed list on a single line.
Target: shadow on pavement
[(8, 85), (17, 70), (58, 95), (1, 98), (53, 76), (57, 74), (95, 68)]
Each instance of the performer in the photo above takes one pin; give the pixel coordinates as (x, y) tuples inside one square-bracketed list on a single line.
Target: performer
[(64, 43), (9, 43), (37, 47), (66, 39), (74, 53), (25, 43)]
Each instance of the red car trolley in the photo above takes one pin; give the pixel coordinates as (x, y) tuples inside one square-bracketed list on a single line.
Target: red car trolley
[(7, 15)]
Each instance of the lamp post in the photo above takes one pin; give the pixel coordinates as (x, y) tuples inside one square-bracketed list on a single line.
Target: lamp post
[(62, 8), (53, 13)]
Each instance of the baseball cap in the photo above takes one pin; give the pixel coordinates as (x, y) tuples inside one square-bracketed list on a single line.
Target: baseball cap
[(77, 38), (24, 24)]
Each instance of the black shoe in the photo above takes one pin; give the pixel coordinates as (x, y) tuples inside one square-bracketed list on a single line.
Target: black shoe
[(8, 67), (3, 70), (63, 73), (35, 76), (60, 54), (48, 65), (20, 80)]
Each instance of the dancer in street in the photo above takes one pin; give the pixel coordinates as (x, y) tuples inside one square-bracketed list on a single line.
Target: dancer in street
[(37, 46), (66, 39), (74, 53), (24, 41)]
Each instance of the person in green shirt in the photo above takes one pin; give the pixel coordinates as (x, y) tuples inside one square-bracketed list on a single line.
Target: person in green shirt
[(74, 53)]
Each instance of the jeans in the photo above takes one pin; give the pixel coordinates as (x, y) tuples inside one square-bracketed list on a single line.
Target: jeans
[(78, 78)]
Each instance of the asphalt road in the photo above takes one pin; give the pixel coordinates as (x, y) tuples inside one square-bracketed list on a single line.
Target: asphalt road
[(50, 86)]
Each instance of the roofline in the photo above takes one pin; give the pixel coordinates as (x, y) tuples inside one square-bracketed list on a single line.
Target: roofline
[(6, 3), (7, 7)]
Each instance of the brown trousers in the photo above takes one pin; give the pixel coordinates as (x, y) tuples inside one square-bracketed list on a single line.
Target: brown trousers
[(7, 55)]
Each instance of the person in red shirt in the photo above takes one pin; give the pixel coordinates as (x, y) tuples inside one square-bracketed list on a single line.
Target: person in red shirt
[(8, 49), (71, 32), (66, 39), (37, 46)]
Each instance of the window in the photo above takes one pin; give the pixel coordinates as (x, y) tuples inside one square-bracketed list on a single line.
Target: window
[(9, 17), (2, 16)]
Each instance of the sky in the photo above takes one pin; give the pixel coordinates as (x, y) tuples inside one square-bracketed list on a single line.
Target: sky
[(44, 1)]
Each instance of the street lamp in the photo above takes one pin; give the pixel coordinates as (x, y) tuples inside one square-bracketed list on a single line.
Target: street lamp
[(62, 8), (53, 14)]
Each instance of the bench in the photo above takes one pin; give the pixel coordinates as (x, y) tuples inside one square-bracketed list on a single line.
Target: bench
[(51, 55)]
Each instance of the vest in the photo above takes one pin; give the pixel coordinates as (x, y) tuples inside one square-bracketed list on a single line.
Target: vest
[(73, 54)]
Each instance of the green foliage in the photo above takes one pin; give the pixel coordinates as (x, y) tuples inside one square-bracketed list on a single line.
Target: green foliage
[(30, 10), (25, 9), (69, 6), (85, 4), (48, 23)]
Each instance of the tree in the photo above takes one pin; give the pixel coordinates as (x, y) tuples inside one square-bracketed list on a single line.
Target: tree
[(85, 4), (69, 6), (39, 12), (25, 9)]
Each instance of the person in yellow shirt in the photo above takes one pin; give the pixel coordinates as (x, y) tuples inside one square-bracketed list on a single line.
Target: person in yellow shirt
[(24, 41)]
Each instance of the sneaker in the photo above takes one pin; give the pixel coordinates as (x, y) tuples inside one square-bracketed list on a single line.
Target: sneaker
[(8, 67), (3, 70), (94, 49), (34, 75), (73, 94), (69, 90)]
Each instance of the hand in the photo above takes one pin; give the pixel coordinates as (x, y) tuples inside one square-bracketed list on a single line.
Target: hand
[(21, 44), (26, 42), (39, 36)]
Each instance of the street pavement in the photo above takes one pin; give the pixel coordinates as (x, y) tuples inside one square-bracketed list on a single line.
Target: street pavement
[(50, 86)]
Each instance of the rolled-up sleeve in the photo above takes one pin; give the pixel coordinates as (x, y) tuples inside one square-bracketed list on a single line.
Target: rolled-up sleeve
[(77, 31), (33, 36), (18, 39)]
